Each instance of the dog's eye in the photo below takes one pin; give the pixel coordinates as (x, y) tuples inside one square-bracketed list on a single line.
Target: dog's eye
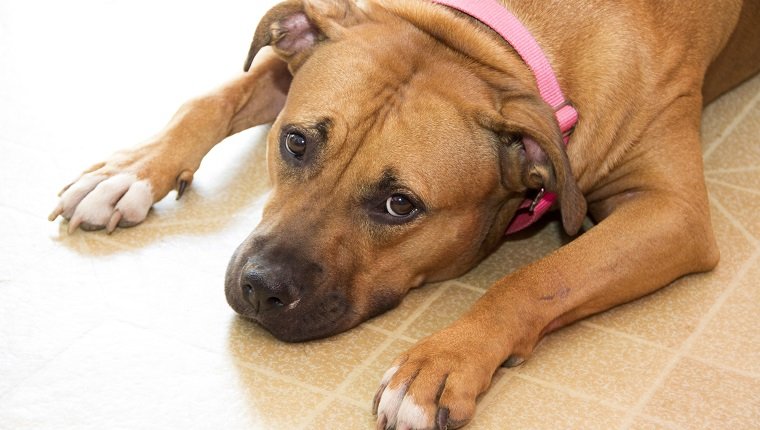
[(295, 143), (399, 206)]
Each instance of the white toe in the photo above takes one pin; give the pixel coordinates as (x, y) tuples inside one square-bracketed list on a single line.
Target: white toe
[(96, 208), (390, 402), (412, 416), (388, 375), (136, 203), (77, 191)]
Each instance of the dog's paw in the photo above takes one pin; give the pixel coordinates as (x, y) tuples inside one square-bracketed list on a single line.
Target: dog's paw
[(119, 192), (433, 386)]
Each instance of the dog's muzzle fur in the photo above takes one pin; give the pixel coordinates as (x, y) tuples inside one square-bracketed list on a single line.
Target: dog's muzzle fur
[(285, 291)]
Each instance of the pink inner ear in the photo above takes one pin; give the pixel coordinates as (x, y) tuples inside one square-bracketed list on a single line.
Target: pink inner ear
[(533, 151), (300, 35)]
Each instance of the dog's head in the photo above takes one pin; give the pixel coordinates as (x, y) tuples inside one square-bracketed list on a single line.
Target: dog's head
[(406, 144)]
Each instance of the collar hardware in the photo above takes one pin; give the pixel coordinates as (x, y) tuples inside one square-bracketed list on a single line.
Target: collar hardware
[(536, 200)]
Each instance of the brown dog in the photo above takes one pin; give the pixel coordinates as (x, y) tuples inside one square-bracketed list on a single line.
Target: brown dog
[(405, 137)]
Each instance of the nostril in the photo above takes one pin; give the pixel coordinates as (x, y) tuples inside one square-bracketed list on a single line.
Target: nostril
[(275, 302), (248, 292), (261, 291), (248, 295)]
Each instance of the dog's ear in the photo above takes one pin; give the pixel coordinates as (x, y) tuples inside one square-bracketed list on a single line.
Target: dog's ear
[(533, 156), (293, 28)]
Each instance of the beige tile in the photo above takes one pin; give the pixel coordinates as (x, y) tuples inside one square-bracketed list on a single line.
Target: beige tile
[(739, 204), (596, 363), (517, 251), (698, 396), (739, 148), (448, 307), (732, 338), (722, 112), (118, 376), (522, 404), (342, 415), (669, 316), (44, 302), (364, 385), (652, 424), (322, 363), (413, 301), (746, 179)]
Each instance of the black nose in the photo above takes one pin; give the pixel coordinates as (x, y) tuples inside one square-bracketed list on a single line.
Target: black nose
[(264, 293)]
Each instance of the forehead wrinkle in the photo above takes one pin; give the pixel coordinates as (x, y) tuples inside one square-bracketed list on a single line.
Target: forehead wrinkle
[(395, 91), (385, 96)]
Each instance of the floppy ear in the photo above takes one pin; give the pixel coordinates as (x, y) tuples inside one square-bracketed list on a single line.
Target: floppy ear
[(294, 27), (533, 156)]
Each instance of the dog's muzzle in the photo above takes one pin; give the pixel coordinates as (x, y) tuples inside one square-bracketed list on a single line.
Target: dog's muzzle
[(285, 292)]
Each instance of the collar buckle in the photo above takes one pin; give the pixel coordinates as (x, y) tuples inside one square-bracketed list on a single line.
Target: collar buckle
[(536, 200)]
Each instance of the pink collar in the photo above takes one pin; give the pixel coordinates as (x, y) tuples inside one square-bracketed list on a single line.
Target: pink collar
[(496, 16)]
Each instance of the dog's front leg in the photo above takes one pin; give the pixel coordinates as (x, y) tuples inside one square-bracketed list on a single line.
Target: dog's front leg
[(121, 190), (645, 240)]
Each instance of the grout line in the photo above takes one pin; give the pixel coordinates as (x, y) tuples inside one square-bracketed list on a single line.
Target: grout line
[(644, 400), (274, 375), (356, 371), (631, 337), (583, 396), (738, 225), (398, 336), (646, 342), (730, 128), (732, 170), (394, 335), (493, 390), (723, 367), (347, 399), (469, 287), (733, 186), (659, 421), (569, 391)]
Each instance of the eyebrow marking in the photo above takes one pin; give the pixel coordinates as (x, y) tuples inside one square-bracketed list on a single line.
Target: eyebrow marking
[(388, 180)]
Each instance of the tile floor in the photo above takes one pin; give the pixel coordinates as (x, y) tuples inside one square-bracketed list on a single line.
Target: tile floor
[(131, 331)]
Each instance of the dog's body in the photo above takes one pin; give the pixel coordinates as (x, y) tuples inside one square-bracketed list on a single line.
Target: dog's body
[(405, 137)]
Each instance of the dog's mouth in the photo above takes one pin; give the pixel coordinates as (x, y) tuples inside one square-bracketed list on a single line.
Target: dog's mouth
[(300, 319), (329, 316)]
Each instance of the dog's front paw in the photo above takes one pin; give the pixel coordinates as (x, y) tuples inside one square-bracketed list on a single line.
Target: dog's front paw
[(433, 386), (119, 192)]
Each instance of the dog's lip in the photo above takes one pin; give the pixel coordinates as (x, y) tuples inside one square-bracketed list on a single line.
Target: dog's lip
[(296, 324), (255, 314)]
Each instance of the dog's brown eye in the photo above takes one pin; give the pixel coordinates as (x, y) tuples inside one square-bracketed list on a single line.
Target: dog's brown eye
[(399, 206), (295, 144)]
